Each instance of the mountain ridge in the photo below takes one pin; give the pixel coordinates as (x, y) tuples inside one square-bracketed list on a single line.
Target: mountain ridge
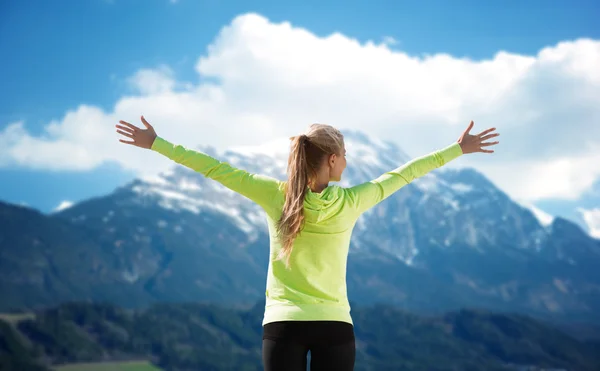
[(450, 238)]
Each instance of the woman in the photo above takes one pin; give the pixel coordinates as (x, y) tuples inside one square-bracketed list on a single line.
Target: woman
[(310, 223)]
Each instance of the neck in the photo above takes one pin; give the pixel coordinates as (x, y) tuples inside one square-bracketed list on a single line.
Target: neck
[(318, 187), (321, 182)]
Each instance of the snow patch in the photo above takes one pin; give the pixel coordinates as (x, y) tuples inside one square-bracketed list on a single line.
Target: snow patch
[(410, 259), (428, 183), (452, 203), (186, 185), (177, 201), (63, 205), (155, 179), (130, 277), (461, 187)]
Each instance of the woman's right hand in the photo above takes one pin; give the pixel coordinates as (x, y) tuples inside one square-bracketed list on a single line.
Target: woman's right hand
[(143, 138), (474, 143)]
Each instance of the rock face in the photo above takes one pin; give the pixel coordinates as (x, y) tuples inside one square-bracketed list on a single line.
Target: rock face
[(450, 239)]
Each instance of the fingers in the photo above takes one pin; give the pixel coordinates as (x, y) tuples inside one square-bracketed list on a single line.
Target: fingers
[(485, 132), (487, 145), (125, 129), (146, 124), (469, 127), (127, 134), (484, 135), (132, 127), (489, 136)]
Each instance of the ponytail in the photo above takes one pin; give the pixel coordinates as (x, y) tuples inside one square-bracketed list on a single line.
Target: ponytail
[(292, 218), (308, 153)]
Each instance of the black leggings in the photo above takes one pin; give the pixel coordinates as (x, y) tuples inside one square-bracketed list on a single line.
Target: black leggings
[(286, 345)]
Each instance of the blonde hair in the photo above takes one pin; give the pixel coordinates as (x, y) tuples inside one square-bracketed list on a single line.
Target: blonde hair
[(308, 153)]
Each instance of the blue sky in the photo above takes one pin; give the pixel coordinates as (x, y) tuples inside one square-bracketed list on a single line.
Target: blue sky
[(60, 55)]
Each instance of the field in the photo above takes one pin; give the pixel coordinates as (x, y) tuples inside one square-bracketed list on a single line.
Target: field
[(13, 319), (109, 366)]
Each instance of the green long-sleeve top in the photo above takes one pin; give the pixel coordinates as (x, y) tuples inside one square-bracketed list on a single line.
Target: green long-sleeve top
[(314, 286)]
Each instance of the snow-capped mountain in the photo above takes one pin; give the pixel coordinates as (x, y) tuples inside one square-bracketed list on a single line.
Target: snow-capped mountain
[(449, 239)]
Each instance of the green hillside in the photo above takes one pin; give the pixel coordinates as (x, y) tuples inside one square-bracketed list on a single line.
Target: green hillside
[(77, 336)]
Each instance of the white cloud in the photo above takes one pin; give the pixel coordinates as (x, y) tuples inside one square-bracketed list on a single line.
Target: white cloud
[(63, 205), (592, 219), (153, 81), (262, 80), (565, 176)]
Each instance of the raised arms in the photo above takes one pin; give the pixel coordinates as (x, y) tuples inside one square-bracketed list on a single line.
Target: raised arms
[(369, 194), (258, 188)]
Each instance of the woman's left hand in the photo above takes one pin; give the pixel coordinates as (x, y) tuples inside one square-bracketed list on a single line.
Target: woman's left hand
[(474, 143)]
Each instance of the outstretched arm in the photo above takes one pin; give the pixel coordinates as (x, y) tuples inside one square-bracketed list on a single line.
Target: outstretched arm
[(368, 194), (258, 188)]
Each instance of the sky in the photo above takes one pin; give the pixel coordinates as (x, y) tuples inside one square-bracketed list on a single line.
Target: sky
[(232, 73)]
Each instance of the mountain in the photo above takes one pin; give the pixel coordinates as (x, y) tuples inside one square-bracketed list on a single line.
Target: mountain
[(448, 240), (207, 337)]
